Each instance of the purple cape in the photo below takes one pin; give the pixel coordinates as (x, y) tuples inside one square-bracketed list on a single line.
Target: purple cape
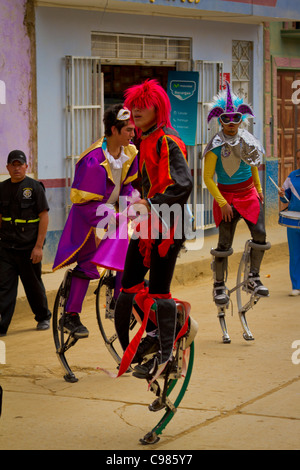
[(91, 189)]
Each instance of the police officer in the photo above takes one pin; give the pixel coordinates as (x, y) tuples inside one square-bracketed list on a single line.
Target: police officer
[(23, 227)]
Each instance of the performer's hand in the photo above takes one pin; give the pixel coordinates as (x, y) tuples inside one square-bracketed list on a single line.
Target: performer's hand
[(145, 203), (261, 197), (227, 213), (281, 192)]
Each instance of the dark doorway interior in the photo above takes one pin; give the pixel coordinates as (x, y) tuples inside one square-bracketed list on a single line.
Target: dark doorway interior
[(119, 77)]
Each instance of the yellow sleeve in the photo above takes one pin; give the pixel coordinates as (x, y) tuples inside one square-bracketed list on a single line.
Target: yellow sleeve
[(256, 179), (209, 171)]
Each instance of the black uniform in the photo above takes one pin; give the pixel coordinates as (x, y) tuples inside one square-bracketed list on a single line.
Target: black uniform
[(20, 206)]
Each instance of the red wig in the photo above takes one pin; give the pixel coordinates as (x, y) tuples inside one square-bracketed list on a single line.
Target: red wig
[(150, 94)]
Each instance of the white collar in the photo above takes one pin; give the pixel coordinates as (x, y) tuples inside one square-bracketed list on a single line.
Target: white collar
[(116, 163)]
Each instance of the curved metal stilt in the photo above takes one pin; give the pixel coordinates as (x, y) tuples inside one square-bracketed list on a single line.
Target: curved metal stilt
[(61, 344), (171, 379), (247, 335), (242, 277), (152, 437), (105, 315), (221, 315)]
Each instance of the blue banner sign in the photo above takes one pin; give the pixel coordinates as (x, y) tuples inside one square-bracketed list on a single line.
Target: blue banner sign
[(183, 94)]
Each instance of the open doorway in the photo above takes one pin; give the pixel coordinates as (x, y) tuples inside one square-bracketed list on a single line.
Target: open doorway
[(117, 78)]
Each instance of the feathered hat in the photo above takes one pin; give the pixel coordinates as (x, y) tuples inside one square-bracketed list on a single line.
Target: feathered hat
[(228, 103)]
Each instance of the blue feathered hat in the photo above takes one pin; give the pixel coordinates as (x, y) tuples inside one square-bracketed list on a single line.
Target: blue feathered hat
[(227, 102)]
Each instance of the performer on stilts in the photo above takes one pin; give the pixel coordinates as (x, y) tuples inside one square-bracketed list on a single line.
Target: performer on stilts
[(166, 182), (103, 173), (235, 155)]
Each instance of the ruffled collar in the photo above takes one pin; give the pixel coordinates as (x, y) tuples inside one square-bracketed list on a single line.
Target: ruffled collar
[(115, 163)]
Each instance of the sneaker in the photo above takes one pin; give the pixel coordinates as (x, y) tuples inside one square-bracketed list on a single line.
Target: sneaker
[(255, 285), (73, 326), (148, 345), (295, 292), (220, 294), (43, 325)]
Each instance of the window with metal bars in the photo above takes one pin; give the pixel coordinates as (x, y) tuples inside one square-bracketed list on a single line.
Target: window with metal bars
[(242, 68), (154, 49)]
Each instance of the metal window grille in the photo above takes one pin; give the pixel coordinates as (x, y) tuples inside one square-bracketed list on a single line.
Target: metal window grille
[(210, 79), (140, 49), (84, 110), (242, 68)]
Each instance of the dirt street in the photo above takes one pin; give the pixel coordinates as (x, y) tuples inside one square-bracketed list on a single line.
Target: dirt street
[(243, 395)]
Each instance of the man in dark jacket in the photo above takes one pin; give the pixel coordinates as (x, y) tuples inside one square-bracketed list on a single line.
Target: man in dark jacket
[(23, 227)]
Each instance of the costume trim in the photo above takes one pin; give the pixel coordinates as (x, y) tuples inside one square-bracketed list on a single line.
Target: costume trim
[(97, 144), (236, 188), (68, 260), (80, 197), (131, 178)]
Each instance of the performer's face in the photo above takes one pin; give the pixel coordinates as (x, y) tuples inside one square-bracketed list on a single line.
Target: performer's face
[(17, 171), (144, 118), (230, 129), (126, 134), (230, 123)]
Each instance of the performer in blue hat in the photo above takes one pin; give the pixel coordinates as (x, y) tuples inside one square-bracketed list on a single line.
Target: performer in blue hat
[(235, 155)]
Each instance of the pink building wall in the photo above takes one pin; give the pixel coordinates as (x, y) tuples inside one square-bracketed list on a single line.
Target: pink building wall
[(17, 122)]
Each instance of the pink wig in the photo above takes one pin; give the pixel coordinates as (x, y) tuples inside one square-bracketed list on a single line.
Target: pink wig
[(150, 94)]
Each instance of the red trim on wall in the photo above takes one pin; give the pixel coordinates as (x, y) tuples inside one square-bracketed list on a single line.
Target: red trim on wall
[(54, 183)]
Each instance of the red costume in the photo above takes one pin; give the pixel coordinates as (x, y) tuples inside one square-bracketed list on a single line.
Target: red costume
[(165, 180)]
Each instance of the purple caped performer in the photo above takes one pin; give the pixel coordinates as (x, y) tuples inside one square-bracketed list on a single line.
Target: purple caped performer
[(103, 173)]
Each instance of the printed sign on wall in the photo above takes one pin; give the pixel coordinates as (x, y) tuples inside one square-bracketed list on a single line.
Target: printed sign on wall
[(183, 94)]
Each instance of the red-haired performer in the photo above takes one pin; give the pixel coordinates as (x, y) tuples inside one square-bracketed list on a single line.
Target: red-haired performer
[(166, 183)]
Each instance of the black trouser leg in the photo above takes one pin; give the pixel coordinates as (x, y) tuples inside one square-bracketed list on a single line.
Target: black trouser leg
[(8, 289), (226, 235), (258, 233), (31, 277), (160, 277), (122, 317)]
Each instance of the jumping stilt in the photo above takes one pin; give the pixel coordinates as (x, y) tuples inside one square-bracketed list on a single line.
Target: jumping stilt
[(62, 345), (221, 316), (184, 350)]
